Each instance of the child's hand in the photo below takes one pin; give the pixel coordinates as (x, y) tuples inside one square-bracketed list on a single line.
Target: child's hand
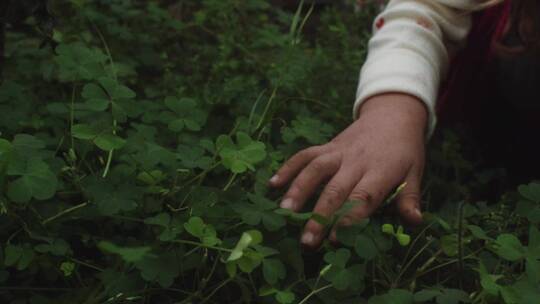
[(382, 149)]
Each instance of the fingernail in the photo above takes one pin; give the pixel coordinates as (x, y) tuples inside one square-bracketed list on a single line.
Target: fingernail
[(417, 212), (307, 238), (274, 179), (287, 204)]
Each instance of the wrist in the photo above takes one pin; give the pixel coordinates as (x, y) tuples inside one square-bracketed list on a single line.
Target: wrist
[(401, 109)]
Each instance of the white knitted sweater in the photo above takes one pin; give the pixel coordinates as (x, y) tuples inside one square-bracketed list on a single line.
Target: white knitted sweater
[(410, 49)]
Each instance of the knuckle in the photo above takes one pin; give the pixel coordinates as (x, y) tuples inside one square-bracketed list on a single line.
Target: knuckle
[(318, 165), (362, 195), (334, 194)]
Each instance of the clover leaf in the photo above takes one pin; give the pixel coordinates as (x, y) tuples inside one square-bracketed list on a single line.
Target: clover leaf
[(285, 297), (35, 180), (402, 238), (172, 226), (183, 113), (163, 268), (19, 256), (273, 270), (112, 199), (365, 247), (313, 130), (259, 210), (58, 247), (96, 98), (206, 233), (241, 156), (104, 140), (394, 296), (78, 62), (248, 238), (128, 254), (530, 192), (338, 274), (508, 247)]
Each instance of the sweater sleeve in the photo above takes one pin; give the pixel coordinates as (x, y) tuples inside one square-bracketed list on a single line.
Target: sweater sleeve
[(410, 48)]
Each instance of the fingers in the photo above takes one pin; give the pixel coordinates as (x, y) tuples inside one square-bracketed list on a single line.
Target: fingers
[(331, 199), (408, 201), (294, 165), (305, 184), (370, 192)]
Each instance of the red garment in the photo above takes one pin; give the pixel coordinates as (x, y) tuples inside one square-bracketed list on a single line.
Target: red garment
[(468, 81)]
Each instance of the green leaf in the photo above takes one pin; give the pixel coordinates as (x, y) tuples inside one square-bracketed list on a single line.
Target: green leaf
[(241, 156), (313, 130), (478, 232), (128, 254), (163, 268), (488, 281), (108, 142), (115, 90), (83, 131), (530, 192), (172, 226), (321, 219), (426, 295), (388, 229), (338, 258), (36, 181), (532, 269), (534, 242), (285, 297), (365, 247), (19, 256), (67, 268), (453, 296), (163, 219), (26, 258), (206, 233), (248, 238), (508, 247), (403, 239), (449, 244), (57, 247), (77, 62), (231, 269), (112, 199), (96, 98), (184, 114), (195, 226), (273, 271), (260, 211), (12, 254), (394, 296), (250, 261)]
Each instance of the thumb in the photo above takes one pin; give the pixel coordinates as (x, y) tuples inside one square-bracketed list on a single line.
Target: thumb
[(408, 201)]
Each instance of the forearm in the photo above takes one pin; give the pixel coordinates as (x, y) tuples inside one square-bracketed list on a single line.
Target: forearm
[(410, 49)]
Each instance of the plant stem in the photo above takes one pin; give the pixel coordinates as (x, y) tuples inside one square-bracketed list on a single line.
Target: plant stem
[(231, 180), (215, 290), (314, 292), (201, 245), (86, 264), (62, 213), (396, 281)]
